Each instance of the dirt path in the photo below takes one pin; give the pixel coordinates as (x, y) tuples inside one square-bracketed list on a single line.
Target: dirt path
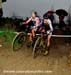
[(56, 63)]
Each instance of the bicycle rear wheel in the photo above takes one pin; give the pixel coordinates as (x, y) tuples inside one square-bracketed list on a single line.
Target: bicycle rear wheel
[(18, 41)]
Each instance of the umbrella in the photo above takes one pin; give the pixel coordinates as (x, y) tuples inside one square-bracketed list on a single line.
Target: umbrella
[(50, 12), (60, 12)]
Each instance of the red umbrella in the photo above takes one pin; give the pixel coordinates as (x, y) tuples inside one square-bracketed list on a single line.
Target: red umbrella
[(50, 12)]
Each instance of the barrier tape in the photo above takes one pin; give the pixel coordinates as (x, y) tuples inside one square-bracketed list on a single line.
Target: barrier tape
[(62, 36)]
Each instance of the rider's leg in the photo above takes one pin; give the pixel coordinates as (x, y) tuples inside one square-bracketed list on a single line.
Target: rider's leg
[(48, 45), (33, 32), (30, 40), (48, 41), (30, 37)]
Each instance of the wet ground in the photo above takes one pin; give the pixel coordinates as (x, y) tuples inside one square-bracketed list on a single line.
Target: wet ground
[(56, 63)]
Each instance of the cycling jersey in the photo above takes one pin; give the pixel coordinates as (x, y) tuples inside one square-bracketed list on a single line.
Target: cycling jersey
[(47, 26), (36, 22)]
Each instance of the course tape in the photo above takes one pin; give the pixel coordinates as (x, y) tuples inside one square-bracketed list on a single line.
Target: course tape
[(62, 36)]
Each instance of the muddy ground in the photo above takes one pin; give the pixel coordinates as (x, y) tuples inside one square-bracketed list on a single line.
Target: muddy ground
[(56, 63)]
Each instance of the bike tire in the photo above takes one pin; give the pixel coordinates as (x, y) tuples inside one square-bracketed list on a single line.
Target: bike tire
[(18, 41)]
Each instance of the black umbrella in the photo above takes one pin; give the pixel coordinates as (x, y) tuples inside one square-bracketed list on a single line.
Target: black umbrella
[(60, 12)]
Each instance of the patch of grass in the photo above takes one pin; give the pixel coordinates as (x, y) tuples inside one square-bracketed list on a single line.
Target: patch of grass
[(7, 36)]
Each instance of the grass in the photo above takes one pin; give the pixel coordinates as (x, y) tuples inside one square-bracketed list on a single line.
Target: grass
[(6, 36)]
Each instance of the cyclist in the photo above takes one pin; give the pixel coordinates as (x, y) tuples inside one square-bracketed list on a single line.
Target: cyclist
[(47, 28), (36, 22)]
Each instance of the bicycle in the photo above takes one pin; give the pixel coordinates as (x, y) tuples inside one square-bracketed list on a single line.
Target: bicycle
[(38, 43), (21, 39)]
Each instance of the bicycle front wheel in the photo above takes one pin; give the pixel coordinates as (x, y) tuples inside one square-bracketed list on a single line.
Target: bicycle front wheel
[(39, 46), (18, 41)]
